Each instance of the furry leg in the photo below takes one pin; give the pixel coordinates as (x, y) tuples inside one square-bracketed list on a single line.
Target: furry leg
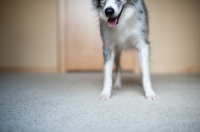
[(117, 85), (109, 59), (143, 54)]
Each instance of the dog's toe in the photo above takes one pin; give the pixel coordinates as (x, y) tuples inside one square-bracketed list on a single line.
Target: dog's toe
[(104, 96), (152, 97)]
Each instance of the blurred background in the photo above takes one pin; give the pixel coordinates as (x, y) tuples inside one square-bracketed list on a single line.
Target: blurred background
[(59, 36)]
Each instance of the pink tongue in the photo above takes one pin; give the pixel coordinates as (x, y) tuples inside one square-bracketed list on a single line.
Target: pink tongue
[(112, 22)]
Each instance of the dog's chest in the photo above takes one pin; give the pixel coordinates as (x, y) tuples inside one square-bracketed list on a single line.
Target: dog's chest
[(125, 37)]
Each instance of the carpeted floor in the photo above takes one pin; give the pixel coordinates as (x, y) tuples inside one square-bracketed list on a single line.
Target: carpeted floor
[(69, 103)]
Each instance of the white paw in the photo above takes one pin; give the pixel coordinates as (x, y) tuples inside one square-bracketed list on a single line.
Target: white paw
[(105, 95), (153, 97), (117, 87)]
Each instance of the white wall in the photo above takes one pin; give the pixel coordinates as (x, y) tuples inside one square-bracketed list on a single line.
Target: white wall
[(174, 35), (28, 33)]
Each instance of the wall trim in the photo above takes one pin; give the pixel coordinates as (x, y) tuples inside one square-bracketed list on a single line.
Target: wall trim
[(27, 69), (175, 70), (154, 70)]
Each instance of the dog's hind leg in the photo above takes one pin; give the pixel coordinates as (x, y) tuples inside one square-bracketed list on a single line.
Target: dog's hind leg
[(143, 54), (117, 84), (109, 55)]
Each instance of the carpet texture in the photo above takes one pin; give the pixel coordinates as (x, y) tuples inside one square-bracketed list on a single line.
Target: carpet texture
[(69, 103)]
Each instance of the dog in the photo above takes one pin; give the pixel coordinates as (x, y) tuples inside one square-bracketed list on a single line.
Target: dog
[(123, 25)]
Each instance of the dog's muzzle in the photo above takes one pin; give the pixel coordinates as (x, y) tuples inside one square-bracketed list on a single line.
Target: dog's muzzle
[(112, 21)]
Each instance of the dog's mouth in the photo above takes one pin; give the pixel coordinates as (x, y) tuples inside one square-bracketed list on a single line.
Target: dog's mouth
[(114, 21)]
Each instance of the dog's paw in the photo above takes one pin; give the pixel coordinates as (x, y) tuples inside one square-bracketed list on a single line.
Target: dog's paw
[(105, 96), (117, 87), (152, 97)]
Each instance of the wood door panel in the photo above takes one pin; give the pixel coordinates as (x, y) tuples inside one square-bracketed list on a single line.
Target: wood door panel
[(84, 42)]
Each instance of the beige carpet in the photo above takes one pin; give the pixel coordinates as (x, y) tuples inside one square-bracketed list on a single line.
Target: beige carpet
[(69, 103)]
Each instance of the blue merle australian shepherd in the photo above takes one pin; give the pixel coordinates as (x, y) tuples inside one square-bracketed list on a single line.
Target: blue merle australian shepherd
[(123, 25)]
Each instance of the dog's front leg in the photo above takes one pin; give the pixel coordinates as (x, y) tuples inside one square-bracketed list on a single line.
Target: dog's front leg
[(117, 84), (109, 55), (143, 53)]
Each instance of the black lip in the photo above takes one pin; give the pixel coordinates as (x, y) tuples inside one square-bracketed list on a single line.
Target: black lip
[(120, 14)]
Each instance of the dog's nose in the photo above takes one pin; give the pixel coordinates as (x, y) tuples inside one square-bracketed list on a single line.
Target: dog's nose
[(109, 12)]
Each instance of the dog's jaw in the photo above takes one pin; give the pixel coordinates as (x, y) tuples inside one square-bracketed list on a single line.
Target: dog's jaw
[(112, 21)]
